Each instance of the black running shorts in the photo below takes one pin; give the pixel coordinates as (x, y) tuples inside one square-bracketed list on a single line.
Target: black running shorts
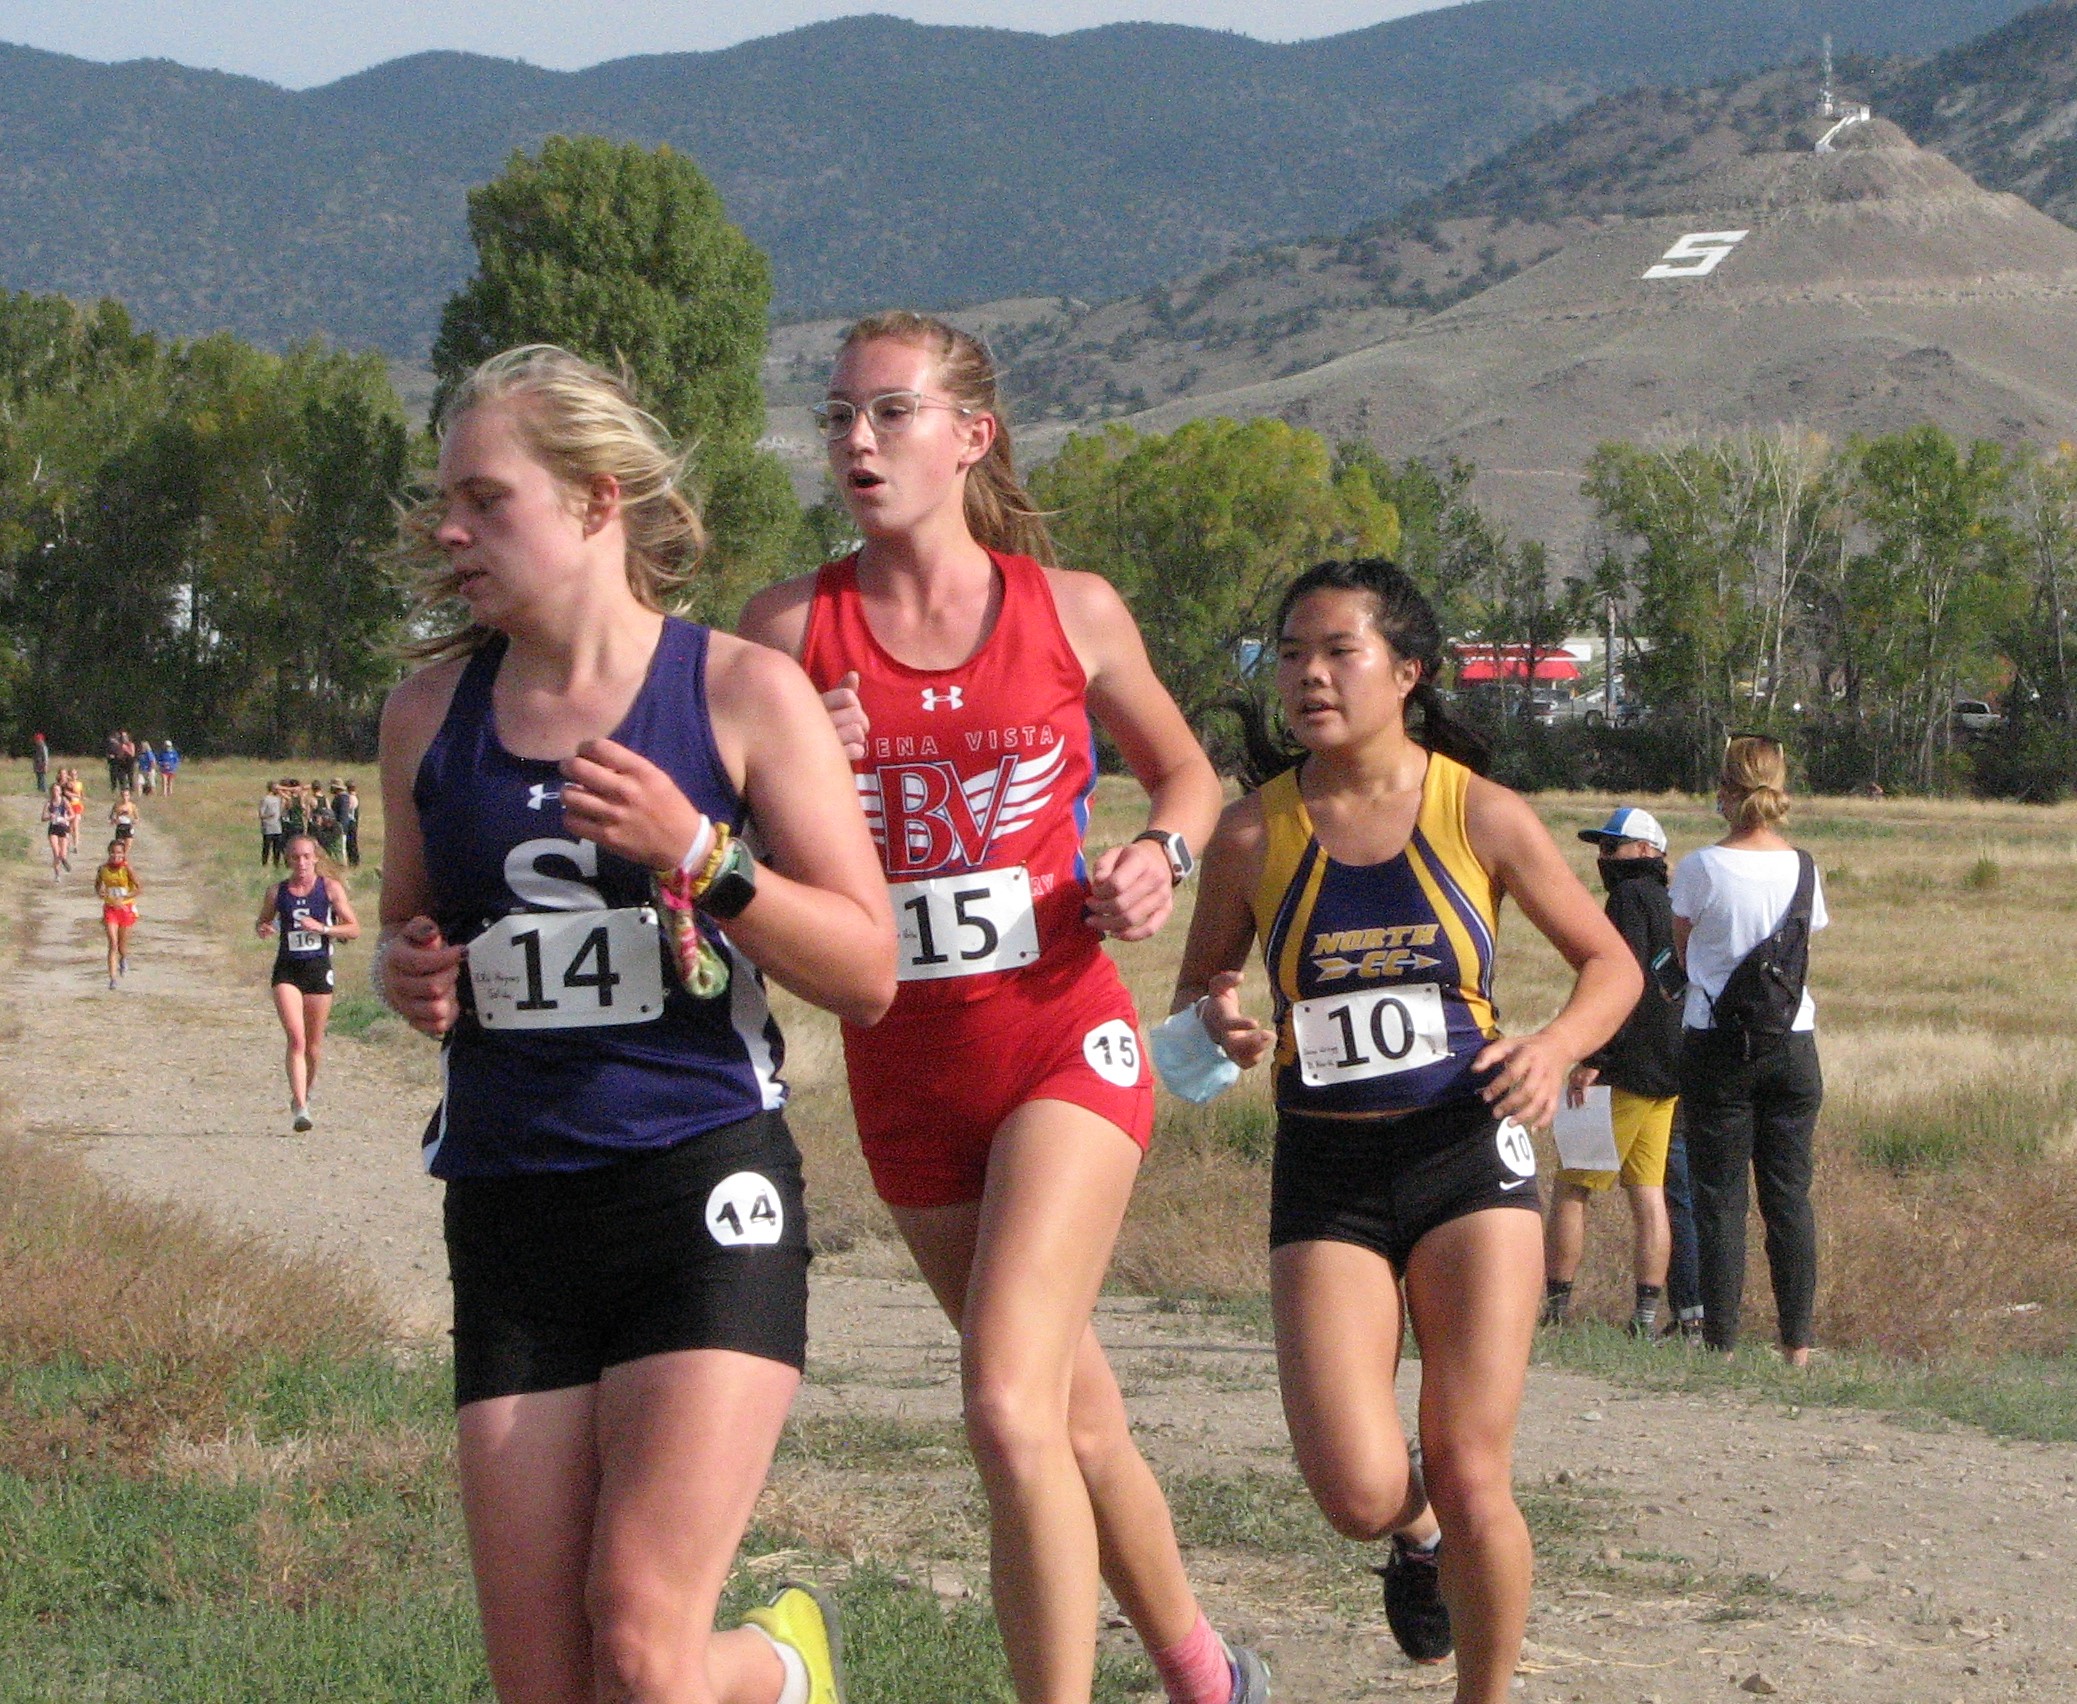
[(560, 1275), (312, 976), (1385, 1183)]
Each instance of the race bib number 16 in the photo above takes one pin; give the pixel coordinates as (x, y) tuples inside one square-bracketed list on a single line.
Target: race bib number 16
[(568, 970), (964, 925)]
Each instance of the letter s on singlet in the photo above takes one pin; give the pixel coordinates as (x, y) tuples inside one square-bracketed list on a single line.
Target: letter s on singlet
[(535, 887)]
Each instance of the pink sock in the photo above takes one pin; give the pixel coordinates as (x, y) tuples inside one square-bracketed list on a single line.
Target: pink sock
[(1196, 1671)]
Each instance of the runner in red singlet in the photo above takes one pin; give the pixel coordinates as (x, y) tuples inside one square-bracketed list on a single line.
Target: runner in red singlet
[(1005, 1102)]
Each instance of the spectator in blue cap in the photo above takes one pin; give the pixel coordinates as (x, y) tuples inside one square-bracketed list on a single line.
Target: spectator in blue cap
[(1640, 1065)]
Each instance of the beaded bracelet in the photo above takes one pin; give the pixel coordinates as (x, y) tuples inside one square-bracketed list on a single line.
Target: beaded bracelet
[(702, 969)]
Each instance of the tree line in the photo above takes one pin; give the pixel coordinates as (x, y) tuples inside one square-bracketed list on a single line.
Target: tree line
[(195, 536)]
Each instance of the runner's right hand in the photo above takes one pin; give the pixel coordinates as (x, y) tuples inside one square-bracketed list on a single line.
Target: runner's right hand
[(1246, 1040), (847, 715), (419, 974)]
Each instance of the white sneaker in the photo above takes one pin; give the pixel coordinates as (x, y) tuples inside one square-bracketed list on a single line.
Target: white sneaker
[(302, 1121)]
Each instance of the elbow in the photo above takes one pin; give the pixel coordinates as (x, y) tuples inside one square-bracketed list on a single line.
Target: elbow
[(871, 990)]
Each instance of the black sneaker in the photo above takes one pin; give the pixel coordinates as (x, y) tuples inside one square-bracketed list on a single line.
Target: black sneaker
[(1414, 1609)]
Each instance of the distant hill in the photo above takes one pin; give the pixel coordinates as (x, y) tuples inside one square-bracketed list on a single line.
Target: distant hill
[(1873, 288), (878, 161), (1284, 308)]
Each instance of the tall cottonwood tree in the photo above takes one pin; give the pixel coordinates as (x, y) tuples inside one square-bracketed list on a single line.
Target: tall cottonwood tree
[(626, 256)]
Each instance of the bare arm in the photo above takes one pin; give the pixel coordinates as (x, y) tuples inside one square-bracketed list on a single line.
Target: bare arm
[(345, 925), (1222, 929), (1131, 893), (1683, 927), (778, 617), (263, 925), (820, 923), (415, 970), (1512, 844)]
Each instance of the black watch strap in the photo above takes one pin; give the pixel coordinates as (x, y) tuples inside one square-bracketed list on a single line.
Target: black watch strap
[(734, 884), (1181, 865)]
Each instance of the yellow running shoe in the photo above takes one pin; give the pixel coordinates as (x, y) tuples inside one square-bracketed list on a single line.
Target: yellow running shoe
[(804, 1620)]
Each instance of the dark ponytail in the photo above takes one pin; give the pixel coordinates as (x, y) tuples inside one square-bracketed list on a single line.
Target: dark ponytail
[(1406, 622)]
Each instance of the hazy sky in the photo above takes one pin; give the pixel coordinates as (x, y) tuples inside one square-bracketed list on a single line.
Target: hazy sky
[(301, 42)]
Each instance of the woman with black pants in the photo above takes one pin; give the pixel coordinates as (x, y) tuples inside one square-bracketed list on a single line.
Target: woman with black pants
[(1749, 1097)]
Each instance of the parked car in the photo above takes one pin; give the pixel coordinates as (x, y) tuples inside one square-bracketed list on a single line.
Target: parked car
[(1973, 716)]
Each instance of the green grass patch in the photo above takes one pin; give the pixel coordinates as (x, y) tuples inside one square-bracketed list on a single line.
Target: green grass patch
[(1241, 1124), (871, 1442), (1269, 1513), (354, 1015), (2015, 1396), (1970, 1123), (1982, 876)]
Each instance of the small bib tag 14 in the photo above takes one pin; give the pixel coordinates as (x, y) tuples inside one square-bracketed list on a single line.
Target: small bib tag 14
[(568, 970), (1351, 1038), (964, 925)]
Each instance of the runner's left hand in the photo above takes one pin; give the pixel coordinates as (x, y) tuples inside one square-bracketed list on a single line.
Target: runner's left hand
[(628, 805), (1530, 1077), (1130, 891)]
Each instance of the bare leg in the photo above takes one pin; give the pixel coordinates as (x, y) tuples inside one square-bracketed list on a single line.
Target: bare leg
[(1471, 1286), (1565, 1231), (115, 947), (288, 1005), (1652, 1233), (317, 1012), (1019, 1274)]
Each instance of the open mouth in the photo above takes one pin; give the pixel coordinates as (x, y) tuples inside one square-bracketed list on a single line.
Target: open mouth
[(860, 479)]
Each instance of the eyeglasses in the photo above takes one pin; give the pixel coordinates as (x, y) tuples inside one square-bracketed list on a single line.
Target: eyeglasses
[(890, 413)]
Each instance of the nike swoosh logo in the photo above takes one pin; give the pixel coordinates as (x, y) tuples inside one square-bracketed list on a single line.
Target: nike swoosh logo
[(1519, 1183)]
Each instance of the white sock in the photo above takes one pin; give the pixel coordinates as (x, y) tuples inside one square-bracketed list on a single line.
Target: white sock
[(794, 1688)]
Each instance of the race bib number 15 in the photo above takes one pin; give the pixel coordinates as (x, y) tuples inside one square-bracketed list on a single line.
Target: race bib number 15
[(568, 970), (1353, 1037), (964, 925)]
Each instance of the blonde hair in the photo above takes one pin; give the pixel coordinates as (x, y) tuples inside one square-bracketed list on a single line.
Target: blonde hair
[(1755, 781), (579, 422), (326, 868), (999, 512)]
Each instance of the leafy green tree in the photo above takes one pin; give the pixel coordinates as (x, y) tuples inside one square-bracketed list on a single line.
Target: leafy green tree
[(626, 256), (1202, 528)]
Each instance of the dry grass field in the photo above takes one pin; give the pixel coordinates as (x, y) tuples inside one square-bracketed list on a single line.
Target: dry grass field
[(1947, 1182)]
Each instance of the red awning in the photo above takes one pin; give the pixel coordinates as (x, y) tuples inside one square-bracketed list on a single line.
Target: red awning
[(1485, 670)]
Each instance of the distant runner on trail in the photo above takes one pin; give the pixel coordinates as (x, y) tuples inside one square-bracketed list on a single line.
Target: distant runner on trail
[(169, 766), (1005, 1103), (56, 817), (117, 887), (1370, 866), (565, 794), (308, 912)]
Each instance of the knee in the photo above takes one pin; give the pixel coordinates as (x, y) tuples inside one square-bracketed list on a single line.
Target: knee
[(1011, 1426), (634, 1653), (1470, 1485), (1366, 1509)]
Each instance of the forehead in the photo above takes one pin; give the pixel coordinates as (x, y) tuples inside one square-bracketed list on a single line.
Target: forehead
[(485, 443), (883, 364), (1329, 611)]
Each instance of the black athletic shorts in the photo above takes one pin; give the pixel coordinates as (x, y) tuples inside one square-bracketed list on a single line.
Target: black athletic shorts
[(560, 1275), (312, 976), (1385, 1183)]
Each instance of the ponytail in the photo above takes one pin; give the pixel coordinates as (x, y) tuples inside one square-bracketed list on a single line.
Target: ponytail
[(1755, 780), (999, 512)]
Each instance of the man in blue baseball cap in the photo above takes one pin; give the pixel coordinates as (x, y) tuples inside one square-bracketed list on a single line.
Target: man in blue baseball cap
[(1641, 1066)]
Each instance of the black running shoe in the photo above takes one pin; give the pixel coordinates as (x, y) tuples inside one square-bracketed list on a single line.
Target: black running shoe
[(1414, 1609)]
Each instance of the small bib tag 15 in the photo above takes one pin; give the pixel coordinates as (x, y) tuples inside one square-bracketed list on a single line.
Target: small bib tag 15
[(568, 970), (1351, 1038)]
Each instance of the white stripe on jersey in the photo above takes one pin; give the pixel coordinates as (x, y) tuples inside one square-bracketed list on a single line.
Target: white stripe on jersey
[(748, 1013)]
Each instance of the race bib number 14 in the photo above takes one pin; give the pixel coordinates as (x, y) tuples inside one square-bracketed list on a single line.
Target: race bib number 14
[(964, 925), (1352, 1038), (568, 970)]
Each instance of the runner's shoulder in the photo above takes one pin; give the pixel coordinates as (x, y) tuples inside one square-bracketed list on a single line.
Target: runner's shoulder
[(778, 616)]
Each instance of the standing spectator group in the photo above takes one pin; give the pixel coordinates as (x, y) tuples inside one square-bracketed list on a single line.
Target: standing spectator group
[(329, 813)]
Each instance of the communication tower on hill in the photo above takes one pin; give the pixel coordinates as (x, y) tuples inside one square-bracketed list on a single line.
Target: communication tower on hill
[(1845, 114)]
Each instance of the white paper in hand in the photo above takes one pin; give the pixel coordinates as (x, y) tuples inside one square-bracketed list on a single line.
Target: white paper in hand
[(1586, 1134)]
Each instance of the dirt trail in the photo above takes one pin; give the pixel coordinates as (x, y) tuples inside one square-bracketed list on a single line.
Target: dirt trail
[(1840, 1556)]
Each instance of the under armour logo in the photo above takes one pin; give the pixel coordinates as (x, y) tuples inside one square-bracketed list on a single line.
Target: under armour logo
[(540, 793), (955, 696)]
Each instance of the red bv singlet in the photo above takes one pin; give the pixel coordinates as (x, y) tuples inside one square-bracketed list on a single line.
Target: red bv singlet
[(976, 785)]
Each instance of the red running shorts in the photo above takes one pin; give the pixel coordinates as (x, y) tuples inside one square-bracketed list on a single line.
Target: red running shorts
[(930, 1092)]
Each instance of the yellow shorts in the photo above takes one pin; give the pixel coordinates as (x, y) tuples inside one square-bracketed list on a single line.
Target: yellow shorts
[(1643, 1132)]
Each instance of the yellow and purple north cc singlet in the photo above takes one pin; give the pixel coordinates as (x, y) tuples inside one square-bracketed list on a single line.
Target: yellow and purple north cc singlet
[(1382, 973)]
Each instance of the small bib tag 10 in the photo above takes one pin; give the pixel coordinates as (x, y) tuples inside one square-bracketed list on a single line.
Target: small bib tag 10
[(568, 970), (1351, 1038), (964, 925)]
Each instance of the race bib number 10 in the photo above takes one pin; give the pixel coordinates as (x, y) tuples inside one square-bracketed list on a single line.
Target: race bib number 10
[(1355, 1037), (568, 970), (964, 925)]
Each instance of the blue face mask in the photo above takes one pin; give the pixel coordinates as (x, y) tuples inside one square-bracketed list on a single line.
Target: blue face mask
[(1191, 1064)]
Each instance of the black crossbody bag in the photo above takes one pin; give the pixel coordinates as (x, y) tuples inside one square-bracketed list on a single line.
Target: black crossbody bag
[(1759, 1000)]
